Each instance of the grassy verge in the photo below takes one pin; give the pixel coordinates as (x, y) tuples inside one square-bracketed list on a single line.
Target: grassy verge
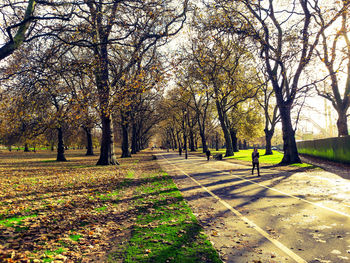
[(165, 229), (246, 156)]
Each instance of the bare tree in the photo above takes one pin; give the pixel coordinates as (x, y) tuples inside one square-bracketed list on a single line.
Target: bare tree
[(334, 64), (266, 100)]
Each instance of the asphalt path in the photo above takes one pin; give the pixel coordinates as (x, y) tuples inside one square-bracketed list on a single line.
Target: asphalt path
[(282, 216)]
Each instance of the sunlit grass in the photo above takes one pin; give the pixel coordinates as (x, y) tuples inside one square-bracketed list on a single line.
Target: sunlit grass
[(246, 155), (165, 229)]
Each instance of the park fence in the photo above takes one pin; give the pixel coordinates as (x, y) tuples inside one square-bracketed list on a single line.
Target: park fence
[(334, 149)]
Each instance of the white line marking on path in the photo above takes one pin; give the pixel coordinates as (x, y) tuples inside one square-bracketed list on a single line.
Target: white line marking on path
[(250, 223), (293, 196)]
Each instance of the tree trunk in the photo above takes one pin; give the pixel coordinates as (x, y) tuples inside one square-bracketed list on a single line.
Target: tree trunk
[(227, 136), (134, 136), (191, 141), (174, 140), (26, 148), (342, 124), (202, 132), (233, 134), (185, 145), (60, 146), (204, 141), (289, 145), (107, 156), (125, 137), (89, 145), (179, 143), (268, 138), (240, 144)]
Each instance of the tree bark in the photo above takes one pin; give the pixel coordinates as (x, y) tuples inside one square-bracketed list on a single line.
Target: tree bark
[(26, 149), (289, 144), (201, 126), (191, 141), (134, 139), (342, 124), (107, 156), (89, 145), (60, 146), (227, 136), (185, 144), (179, 142), (125, 137), (204, 141), (268, 138), (233, 134)]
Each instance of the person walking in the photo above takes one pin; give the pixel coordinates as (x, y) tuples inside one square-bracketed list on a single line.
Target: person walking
[(207, 153), (255, 160)]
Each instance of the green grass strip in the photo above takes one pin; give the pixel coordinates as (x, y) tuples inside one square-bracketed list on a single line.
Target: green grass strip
[(165, 229), (246, 155), (14, 221)]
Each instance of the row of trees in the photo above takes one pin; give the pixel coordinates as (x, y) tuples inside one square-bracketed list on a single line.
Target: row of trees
[(247, 53), (245, 64), (86, 60)]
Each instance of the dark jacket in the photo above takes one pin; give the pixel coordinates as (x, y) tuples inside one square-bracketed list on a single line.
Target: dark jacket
[(255, 157)]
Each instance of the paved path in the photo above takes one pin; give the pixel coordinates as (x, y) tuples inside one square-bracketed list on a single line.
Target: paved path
[(282, 216)]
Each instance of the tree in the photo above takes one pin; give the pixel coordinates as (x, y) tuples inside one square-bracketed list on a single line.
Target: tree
[(198, 91), (16, 14), (15, 41), (330, 48), (222, 64), (146, 115), (106, 30), (44, 81), (286, 44), (267, 102)]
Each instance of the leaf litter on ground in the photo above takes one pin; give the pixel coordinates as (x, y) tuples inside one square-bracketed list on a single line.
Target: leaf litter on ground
[(77, 212)]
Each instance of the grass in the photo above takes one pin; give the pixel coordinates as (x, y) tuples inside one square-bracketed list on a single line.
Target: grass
[(72, 211), (75, 237), (165, 229), (16, 222), (246, 155)]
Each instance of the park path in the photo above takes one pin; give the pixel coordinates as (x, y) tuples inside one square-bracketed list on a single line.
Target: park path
[(282, 216)]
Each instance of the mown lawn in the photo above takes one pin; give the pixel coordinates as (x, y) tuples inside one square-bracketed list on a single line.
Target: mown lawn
[(246, 155), (78, 212)]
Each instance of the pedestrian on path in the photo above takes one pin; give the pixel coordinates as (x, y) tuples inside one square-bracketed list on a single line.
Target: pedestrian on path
[(255, 160), (207, 153)]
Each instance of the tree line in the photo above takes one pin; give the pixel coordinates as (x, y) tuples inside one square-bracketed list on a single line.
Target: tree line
[(244, 66), (248, 61), (85, 64)]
